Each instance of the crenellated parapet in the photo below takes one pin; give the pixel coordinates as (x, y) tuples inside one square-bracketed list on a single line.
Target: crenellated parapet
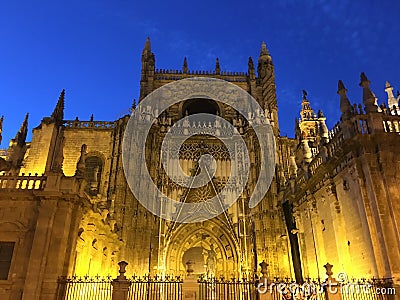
[(172, 75), (78, 124)]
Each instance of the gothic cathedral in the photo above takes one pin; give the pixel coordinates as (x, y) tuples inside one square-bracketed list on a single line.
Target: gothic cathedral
[(66, 207)]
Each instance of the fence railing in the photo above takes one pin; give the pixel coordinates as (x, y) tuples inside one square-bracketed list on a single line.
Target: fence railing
[(83, 288), (232, 289), (155, 288), (374, 289), (170, 288)]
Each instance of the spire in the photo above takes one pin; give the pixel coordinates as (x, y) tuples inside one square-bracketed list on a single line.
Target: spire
[(58, 113), (264, 50), (147, 56), (264, 67), (1, 128), (251, 71), (185, 66), (345, 106), (368, 96), (306, 110), (264, 54), (322, 129), (392, 101), (217, 67), (147, 45), (148, 69), (20, 137)]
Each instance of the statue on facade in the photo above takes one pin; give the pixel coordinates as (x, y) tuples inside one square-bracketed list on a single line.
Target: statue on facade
[(5, 165), (211, 262), (81, 165), (94, 184), (58, 154)]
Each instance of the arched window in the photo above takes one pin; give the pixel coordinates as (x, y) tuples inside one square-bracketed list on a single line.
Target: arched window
[(199, 105)]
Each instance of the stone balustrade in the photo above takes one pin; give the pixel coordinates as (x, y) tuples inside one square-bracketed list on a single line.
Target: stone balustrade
[(23, 182)]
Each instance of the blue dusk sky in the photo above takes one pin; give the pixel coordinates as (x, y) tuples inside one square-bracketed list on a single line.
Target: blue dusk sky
[(92, 49)]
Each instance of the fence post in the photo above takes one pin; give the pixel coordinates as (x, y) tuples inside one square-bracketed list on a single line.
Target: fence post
[(332, 287), (190, 286), (121, 284), (263, 287)]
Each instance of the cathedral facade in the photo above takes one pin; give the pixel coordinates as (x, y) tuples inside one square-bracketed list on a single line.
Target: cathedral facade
[(66, 207)]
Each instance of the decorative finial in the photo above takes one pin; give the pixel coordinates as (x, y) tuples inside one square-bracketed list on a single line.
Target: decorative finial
[(264, 270), (341, 87), (91, 118), (58, 113), (368, 96), (304, 94), (122, 270), (1, 127), (264, 50), (250, 63), (147, 45), (251, 70), (364, 79), (217, 67), (20, 137), (328, 268), (185, 66), (345, 106), (392, 101)]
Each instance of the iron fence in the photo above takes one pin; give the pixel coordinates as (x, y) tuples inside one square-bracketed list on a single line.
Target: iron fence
[(155, 288), (170, 288), (226, 289), (84, 288), (373, 289)]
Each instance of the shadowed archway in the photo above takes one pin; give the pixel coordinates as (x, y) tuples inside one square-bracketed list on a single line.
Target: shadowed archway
[(193, 241)]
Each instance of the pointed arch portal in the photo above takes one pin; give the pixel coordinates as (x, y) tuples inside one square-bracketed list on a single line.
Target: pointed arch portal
[(192, 241)]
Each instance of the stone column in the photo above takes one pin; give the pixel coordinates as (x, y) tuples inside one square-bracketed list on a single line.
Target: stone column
[(121, 284), (190, 286)]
